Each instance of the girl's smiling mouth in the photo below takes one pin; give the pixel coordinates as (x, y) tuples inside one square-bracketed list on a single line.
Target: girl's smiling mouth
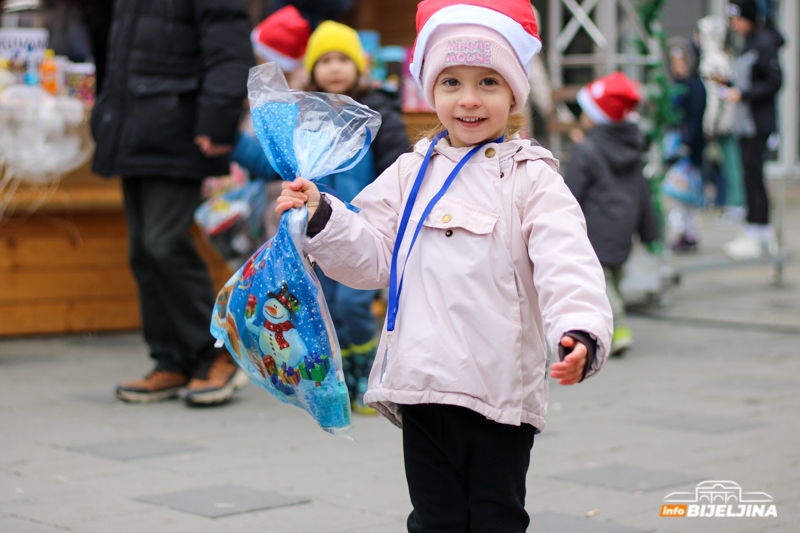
[(470, 121)]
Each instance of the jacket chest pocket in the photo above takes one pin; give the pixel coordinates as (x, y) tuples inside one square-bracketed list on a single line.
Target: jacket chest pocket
[(161, 117), (455, 217)]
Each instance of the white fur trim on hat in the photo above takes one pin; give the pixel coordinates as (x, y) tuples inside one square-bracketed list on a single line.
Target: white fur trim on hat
[(523, 43), (590, 107), (287, 64)]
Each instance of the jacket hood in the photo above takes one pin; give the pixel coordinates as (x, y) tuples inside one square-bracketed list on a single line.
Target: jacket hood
[(769, 36), (517, 147), (685, 47), (623, 144)]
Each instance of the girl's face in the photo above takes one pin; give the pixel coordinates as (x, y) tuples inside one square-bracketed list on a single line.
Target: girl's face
[(679, 67), (473, 103), (335, 72)]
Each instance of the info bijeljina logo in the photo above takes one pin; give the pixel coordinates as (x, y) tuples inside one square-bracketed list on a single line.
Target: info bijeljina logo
[(718, 499)]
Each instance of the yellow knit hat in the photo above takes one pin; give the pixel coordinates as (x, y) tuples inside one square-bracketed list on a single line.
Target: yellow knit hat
[(334, 37)]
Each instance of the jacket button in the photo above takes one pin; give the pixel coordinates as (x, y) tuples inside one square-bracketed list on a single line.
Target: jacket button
[(490, 152), (448, 233), (502, 174), (447, 218)]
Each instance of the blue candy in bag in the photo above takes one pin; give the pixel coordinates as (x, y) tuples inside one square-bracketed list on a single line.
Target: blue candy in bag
[(271, 315)]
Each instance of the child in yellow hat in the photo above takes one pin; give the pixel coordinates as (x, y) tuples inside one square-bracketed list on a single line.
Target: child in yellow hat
[(337, 64)]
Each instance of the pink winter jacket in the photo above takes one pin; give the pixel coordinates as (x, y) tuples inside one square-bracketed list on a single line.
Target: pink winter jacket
[(501, 269)]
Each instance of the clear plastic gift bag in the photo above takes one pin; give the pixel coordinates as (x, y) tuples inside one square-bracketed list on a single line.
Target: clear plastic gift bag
[(271, 314), (234, 222)]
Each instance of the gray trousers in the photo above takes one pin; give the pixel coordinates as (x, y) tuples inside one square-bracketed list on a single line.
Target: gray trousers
[(175, 290)]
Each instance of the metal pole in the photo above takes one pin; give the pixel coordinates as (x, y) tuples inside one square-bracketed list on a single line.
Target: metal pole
[(788, 118), (607, 22)]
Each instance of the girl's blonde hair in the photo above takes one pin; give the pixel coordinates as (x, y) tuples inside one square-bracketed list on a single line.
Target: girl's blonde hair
[(511, 130)]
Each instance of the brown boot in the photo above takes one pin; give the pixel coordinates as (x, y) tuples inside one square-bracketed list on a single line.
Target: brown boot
[(215, 381), (156, 386)]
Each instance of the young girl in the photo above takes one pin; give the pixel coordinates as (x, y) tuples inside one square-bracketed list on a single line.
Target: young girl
[(485, 253), (336, 62)]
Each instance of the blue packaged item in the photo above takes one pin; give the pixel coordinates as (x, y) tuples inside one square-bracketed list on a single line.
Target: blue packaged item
[(684, 183), (272, 315)]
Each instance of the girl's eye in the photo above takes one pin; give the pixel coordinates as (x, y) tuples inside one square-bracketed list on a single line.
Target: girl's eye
[(450, 82), (489, 81)]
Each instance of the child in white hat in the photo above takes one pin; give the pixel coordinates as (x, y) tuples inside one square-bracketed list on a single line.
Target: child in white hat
[(485, 254)]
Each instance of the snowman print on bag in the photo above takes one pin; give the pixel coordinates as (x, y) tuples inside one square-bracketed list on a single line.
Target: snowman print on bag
[(280, 344)]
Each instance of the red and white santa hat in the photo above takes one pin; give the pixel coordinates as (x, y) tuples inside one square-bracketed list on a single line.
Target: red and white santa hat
[(609, 99), (499, 34), (282, 37)]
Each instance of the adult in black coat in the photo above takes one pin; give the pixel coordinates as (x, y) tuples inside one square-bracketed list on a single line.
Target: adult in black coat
[(176, 75), (757, 79)]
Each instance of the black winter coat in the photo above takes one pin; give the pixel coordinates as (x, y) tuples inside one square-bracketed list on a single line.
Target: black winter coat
[(605, 175), (692, 103), (759, 77), (176, 69), (392, 140)]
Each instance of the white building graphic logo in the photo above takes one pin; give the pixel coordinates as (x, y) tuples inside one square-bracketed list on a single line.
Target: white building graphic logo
[(718, 499)]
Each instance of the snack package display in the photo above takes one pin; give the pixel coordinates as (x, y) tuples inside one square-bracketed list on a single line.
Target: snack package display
[(271, 314), (233, 221)]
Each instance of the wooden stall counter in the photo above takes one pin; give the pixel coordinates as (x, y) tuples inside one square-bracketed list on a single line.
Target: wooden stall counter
[(64, 268)]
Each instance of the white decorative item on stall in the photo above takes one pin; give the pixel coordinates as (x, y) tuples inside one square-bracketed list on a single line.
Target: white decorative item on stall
[(19, 5), (41, 137)]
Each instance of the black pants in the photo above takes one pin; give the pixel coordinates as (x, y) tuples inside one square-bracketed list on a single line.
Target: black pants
[(175, 290), (465, 473), (753, 164)]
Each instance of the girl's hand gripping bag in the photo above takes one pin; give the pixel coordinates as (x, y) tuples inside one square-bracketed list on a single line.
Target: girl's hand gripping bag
[(272, 315)]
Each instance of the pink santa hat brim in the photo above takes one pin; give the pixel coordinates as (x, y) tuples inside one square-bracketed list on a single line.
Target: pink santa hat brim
[(524, 43)]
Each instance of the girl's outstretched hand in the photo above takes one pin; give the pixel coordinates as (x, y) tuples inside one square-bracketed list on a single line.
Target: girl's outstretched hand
[(570, 370), (296, 193)]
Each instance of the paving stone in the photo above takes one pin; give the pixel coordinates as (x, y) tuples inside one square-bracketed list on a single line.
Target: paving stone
[(221, 500), (18, 525), (627, 478), (756, 383), (133, 449), (705, 424), (550, 522)]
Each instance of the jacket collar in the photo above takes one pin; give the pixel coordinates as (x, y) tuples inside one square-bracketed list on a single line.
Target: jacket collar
[(518, 148)]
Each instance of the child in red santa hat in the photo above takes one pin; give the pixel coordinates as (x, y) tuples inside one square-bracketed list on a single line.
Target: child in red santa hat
[(489, 248), (605, 175)]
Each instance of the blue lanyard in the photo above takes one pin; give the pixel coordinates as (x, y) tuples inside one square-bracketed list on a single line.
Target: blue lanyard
[(394, 288)]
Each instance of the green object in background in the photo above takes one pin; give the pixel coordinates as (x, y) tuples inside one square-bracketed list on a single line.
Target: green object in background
[(660, 113)]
